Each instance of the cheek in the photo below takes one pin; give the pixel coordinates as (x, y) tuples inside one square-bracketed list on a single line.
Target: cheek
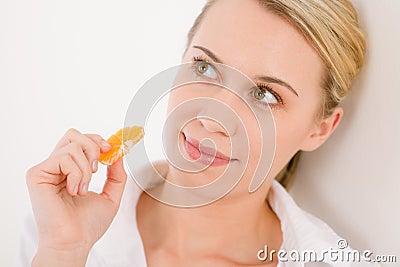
[(177, 96), (173, 101), (295, 124), (290, 135), (261, 143)]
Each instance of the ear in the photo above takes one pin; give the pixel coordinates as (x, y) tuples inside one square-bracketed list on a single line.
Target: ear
[(322, 130)]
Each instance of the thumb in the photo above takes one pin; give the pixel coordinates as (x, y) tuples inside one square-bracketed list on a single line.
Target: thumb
[(115, 183)]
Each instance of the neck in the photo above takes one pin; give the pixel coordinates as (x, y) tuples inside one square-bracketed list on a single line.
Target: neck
[(243, 224)]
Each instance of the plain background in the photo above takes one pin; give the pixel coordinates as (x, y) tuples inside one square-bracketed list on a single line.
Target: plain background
[(77, 64)]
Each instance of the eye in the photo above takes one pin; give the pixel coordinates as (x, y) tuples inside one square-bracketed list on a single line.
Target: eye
[(265, 96), (204, 68), (259, 94)]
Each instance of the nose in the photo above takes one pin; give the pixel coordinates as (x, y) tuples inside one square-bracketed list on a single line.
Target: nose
[(219, 113), (211, 125)]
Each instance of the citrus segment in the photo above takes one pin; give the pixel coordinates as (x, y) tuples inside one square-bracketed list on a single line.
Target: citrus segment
[(121, 142)]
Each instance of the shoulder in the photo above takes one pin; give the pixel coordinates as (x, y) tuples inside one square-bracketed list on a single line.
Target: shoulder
[(306, 236)]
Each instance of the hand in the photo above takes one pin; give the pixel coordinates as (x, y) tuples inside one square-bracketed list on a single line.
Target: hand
[(68, 217)]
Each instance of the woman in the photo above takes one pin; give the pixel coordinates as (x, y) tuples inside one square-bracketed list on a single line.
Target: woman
[(308, 52)]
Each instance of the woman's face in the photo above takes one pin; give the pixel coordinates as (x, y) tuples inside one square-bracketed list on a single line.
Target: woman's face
[(258, 43)]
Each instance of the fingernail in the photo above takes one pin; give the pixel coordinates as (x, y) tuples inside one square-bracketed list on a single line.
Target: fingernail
[(76, 189), (104, 143), (94, 165), (84, 188)]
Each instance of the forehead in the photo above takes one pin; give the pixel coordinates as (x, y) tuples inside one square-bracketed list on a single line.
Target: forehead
[(256, 41)]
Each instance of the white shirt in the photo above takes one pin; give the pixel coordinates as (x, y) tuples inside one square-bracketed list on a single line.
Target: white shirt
[(122, 245)]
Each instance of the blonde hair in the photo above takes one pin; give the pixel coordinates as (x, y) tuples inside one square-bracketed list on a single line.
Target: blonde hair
[(332, 28)]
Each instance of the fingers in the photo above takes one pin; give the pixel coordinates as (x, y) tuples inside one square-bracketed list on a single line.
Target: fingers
[(104, 146), (115, 183), (91, 145), (62, 166), (74, 158), (80, 184), (68, 166)]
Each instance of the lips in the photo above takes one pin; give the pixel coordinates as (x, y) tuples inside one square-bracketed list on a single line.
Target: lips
[(206, 155)]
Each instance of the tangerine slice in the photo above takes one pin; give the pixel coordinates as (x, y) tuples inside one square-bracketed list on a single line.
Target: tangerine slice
[(121, 142)]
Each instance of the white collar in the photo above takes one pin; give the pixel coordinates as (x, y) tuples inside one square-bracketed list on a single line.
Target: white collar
[(301, 230)]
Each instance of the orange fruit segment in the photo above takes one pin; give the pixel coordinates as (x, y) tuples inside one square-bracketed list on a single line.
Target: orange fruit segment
[(121, 142)]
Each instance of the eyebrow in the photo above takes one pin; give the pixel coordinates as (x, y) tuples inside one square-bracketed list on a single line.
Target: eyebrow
[(268, 79)]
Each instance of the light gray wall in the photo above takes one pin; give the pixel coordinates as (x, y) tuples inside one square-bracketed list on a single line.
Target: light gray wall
[(353, 181)]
